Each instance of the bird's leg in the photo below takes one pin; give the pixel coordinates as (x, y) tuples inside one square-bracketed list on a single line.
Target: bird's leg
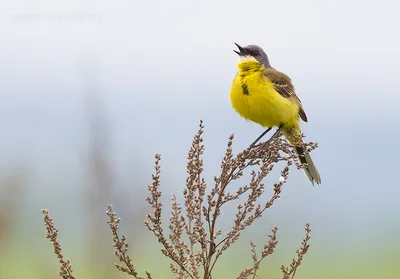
[(260, 137), (276, 134)]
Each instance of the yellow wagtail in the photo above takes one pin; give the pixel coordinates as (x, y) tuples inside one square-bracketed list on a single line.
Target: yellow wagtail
[(266, 96)]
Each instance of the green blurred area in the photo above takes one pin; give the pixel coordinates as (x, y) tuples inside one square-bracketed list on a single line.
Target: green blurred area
[(34, 259)]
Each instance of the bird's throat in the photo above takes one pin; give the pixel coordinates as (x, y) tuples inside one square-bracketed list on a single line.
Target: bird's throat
[(249, 66)]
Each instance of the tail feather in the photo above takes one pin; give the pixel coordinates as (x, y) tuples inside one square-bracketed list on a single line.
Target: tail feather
[(308, 165), (293, 135)]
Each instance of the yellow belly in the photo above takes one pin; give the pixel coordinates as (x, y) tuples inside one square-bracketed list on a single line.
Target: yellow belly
[(262, 104)]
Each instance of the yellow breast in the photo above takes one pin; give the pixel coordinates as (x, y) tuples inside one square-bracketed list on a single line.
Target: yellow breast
[(254, 98)]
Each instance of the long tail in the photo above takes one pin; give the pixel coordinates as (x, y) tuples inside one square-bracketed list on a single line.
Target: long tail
[(293, 135)]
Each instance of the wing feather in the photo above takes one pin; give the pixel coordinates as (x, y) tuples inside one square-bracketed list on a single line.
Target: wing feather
[(283, 85)]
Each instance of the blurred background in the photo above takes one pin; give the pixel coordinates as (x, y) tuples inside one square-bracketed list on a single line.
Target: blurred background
[(91, 90)]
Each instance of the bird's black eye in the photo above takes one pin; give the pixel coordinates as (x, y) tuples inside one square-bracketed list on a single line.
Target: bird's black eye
[(252, 52)]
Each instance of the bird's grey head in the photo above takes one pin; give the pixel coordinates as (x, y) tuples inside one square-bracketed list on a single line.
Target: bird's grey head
[(253, 51)]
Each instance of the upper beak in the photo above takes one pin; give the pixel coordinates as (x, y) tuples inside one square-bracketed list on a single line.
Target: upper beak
[(241, 51)]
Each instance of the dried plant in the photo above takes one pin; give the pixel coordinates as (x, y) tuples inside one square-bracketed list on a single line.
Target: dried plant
[(52, 235), (194, 242), (300, 254)]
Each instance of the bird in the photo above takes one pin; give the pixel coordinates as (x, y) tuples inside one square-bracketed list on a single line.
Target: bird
[(263, 95)]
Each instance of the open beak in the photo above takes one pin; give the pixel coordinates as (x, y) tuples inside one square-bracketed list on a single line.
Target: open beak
[(241, 52)]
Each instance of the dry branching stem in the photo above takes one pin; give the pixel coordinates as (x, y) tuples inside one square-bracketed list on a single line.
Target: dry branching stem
[(121, 246), (287, 271), (52, 235), (194, 243), (198, 218)]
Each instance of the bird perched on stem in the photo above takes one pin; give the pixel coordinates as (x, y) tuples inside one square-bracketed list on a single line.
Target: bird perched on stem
[(266, 96)]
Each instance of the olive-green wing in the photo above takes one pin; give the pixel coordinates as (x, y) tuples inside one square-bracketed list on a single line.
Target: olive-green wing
[(283, 85)]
